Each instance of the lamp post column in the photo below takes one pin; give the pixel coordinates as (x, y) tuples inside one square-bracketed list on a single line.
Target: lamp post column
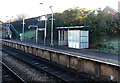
[(45, 26), (23, 29), (51, 27), (45, 29), (36, 34)]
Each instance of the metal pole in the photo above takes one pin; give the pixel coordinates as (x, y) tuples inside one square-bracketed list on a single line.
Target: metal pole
[(23, 30), (51, 27), (9, 30), (45, 29), (45, 26), (36, 34)]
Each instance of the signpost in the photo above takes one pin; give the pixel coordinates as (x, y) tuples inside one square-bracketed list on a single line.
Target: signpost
[(36, 33)]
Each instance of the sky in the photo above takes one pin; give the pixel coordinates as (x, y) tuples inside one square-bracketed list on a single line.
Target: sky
[(33, 8)]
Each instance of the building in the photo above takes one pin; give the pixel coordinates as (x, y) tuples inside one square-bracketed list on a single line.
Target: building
[(110, 10), (119, 6)]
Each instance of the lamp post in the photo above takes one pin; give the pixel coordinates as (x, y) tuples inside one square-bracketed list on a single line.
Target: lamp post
[(23, 29), (45, 29), (51, 27), (45, 26), (36, 34)]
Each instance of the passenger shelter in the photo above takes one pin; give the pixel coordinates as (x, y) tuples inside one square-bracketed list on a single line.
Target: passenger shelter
[(73, 36)]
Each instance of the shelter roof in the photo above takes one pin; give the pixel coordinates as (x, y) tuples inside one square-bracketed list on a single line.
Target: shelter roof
[(72, 27)]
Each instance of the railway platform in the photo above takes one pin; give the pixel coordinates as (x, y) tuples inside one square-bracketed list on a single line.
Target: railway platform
[(92, 54), (100, 64)]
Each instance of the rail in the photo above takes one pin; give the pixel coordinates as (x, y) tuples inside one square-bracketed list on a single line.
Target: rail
[(13, 75)]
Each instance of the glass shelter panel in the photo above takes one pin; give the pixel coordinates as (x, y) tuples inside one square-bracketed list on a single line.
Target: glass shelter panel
[(83, 33), (83, 45), (84, 39)]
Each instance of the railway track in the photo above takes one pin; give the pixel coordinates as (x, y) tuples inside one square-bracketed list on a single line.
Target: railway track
[(58, 73), (9, 76)]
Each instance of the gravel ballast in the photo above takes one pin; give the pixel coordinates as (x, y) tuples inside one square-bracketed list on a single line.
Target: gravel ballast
[(26, 72)]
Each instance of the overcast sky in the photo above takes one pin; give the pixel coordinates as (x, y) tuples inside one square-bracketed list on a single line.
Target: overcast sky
[(32, 7)]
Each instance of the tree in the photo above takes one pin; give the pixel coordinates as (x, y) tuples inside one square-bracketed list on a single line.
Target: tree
[(101, 22), (59, 19), (75, 16), (19, 17)]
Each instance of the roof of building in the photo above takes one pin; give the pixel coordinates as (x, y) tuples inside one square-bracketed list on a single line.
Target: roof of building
[(110, 8), (73, 27)]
